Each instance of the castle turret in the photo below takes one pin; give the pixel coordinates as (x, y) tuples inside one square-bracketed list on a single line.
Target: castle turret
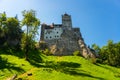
[(66, 21)]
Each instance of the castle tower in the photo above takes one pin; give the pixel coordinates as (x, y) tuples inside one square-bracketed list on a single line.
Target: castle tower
[(66, 21), (62, 39)]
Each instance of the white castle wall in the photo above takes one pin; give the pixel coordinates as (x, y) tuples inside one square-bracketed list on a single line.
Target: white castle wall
[(54, 33)]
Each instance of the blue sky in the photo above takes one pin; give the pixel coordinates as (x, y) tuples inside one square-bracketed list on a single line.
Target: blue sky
[(98, 20)]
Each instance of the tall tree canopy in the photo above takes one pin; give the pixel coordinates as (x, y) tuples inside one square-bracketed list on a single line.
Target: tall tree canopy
[(32, 23), (109, 54), (2, 24), (13, 31), (10, 31)]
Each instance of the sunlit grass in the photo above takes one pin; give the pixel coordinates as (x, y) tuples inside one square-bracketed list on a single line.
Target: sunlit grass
[(56, 68)]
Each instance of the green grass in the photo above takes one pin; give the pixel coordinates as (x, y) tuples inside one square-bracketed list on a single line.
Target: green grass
[(55, 68)]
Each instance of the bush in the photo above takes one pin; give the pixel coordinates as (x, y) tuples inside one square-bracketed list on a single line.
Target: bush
[(77, 53), (43, 45), (47, 52), (93, 60), (99, 60)]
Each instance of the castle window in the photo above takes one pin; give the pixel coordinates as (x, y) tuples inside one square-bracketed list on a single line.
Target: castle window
[(46, 37), (57, 32), (55, 36), (50, 37)]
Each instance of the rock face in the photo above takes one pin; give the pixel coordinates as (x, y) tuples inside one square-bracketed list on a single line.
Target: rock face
[(62, 39)]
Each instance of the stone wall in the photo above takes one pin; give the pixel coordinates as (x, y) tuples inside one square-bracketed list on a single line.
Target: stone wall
[(66, 45), (70, 41)]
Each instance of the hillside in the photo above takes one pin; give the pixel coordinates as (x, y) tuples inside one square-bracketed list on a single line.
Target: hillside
[(55, 68)]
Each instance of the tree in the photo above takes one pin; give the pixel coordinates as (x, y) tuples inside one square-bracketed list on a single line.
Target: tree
[(96, 48), (13, 31), (2, 24), (10, 31), (113, 53), (110, 54), (3, 18), (31, 23)]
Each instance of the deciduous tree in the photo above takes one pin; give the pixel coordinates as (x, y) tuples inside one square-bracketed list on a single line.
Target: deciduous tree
[(31, 23)]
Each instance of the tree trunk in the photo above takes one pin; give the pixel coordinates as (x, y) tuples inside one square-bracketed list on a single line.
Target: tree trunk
[(26, 47)]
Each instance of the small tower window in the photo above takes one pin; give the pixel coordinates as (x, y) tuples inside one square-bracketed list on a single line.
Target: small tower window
[(46, 37), (50, 37), (57, 32)]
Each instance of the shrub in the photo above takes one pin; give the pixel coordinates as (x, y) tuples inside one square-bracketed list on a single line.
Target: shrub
[(93, 60), (47, 52), (43, 45), (77, 53), (99, 60)]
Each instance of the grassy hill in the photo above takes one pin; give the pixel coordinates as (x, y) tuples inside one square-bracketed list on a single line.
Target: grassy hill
[(55, 68)]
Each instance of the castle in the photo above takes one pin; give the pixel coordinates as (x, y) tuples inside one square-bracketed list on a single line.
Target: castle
[(63, 39)]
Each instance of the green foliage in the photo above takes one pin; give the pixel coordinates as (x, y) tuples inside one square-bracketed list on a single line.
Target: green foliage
[(10, 32), (11, 35), (93, 60), (96, 48), (13, 31), (2, 33), (109, 54), (23, 41), (77, 53), (98, 60), (31, 23), (43, 45), (47, 52), (2, 19), (30, 42)]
